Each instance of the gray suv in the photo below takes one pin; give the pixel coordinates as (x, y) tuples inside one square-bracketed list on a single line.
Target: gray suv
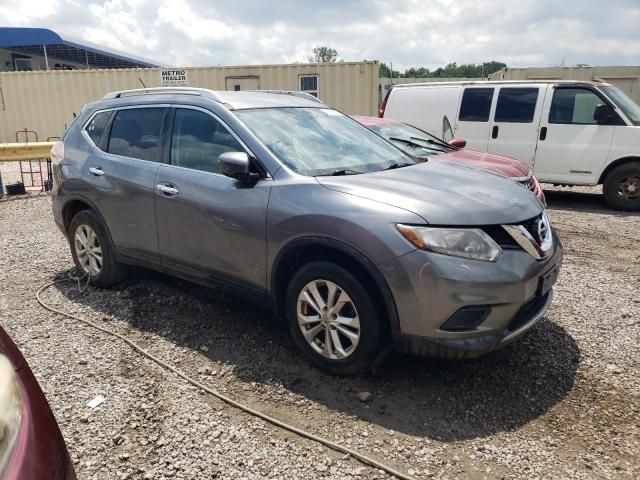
[(360, 247)]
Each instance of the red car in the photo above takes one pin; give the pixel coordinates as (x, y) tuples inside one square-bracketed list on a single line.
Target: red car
[(421, 144), (31, 445)]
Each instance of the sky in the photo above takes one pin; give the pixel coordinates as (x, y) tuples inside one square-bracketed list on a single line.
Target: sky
[(407, 33)]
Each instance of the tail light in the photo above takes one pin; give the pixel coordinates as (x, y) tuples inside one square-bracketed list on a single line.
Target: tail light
[(10, 411), (383, 105), (57, 153)]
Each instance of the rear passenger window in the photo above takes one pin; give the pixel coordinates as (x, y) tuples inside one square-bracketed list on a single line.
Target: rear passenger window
[(198, 139), (96, 126), (476, 104), (516, 105), (136, 133)]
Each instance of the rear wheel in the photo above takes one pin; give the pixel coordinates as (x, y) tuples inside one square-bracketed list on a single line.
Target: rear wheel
[(622, 187), (93, 252), (333, 319)]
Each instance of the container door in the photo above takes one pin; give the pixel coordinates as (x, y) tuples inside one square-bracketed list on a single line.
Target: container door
[(572, 146), (516, 117), (472, 122)]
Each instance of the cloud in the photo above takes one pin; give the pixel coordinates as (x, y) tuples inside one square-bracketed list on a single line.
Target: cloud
[(405, 32)]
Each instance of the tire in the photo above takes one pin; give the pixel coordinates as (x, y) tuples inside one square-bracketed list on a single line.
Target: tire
[(357, 317), (110, 272), (621, 187)]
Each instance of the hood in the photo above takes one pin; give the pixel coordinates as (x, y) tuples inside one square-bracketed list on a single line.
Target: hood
[(507, 166), (443, 193)]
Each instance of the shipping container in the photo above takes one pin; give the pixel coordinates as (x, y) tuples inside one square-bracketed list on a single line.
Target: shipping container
[(45, 101)]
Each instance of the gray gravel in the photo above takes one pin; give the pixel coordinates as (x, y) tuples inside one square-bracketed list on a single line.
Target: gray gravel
[(563, 402)]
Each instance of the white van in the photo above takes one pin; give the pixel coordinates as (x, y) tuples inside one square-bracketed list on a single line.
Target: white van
[(571, 132)]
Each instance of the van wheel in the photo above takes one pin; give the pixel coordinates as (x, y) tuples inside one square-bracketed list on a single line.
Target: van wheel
[(622, 187), (93, 252), (332, 319)]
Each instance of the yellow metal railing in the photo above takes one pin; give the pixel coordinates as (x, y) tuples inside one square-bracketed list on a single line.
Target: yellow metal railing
[(12, 152)]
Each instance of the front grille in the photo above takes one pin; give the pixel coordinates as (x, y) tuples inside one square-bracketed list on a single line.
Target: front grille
[(502, 238)]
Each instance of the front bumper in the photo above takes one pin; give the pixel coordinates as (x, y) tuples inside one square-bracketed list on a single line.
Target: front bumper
[(430, 288)]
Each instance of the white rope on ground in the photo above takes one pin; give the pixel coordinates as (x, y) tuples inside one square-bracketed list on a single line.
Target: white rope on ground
[(310, 436)]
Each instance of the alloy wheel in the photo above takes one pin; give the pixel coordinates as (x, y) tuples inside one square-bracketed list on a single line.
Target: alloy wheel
[(328, 319), (88, 250)]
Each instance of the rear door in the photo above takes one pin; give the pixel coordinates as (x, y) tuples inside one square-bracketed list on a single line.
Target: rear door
[(572, 147), (472, 122), (514, 130), (210, 226), (120, 175)]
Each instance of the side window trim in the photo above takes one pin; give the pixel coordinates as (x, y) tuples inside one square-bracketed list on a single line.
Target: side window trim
[(169, 138), (106, 139)]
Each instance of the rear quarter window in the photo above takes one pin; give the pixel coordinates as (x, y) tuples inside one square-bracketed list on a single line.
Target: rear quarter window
[(96, 126)]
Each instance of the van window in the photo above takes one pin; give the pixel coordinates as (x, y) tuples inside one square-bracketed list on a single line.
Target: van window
[(96, 126), (516, 105), (574, 105), (136, 133), (476, 104), (198, 139)]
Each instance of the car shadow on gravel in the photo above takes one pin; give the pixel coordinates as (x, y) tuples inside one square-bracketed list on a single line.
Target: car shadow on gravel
[(442, 400), (582, 202)]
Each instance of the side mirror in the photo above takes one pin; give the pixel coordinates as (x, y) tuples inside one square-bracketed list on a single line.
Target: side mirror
[(236, 165), (458, 143), (604, 115)]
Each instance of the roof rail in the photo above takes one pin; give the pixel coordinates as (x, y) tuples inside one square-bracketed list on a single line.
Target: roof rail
[(293, 93), (202, 92)]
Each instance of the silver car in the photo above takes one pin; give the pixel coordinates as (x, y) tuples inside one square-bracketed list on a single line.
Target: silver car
[(274, 195)]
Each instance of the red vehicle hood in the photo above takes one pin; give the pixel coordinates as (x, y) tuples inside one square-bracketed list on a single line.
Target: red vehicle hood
[(509, 167)]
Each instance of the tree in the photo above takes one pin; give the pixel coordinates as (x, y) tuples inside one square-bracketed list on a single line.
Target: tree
[(385, 71), (324, 55)]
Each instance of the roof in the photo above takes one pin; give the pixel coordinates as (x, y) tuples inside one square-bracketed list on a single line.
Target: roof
[(232, 99), (62, 48), (497, 82)]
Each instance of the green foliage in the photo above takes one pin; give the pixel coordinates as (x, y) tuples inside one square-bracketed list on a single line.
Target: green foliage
[(452, 70), (323, 55)]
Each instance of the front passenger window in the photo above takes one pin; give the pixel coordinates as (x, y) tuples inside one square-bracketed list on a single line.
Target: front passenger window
[(574, 106), (198, 139)]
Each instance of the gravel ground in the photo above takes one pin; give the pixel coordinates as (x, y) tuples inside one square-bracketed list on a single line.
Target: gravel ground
[(563, 402)]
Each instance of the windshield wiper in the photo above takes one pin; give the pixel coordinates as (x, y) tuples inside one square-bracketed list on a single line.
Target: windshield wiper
[(393, 166), (430, 141), (407, 142)]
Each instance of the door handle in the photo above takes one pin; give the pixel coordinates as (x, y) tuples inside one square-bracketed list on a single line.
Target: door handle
[(168, 190), (97, 171), (543, 133), (494, 132)]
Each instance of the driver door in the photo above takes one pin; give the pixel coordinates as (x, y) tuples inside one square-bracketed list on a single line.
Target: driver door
[(210, 226)]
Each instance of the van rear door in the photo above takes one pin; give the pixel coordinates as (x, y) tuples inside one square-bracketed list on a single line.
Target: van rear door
[(516, 117), (474, 112)]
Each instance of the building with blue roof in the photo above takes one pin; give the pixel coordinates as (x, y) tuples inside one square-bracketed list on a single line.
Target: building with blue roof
[(27, 49)]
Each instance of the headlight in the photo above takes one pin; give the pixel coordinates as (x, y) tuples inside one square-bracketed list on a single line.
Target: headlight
[(460, 242), (10, 411)]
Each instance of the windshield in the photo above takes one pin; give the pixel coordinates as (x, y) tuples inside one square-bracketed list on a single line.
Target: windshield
[(321, 141), (628, 106), (411, 139)]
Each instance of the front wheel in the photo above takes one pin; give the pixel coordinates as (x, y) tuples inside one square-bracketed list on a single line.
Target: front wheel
[(333, 319), (622, 187)]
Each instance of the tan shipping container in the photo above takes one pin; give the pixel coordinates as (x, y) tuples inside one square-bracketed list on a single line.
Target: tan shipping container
[(45, 101)]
